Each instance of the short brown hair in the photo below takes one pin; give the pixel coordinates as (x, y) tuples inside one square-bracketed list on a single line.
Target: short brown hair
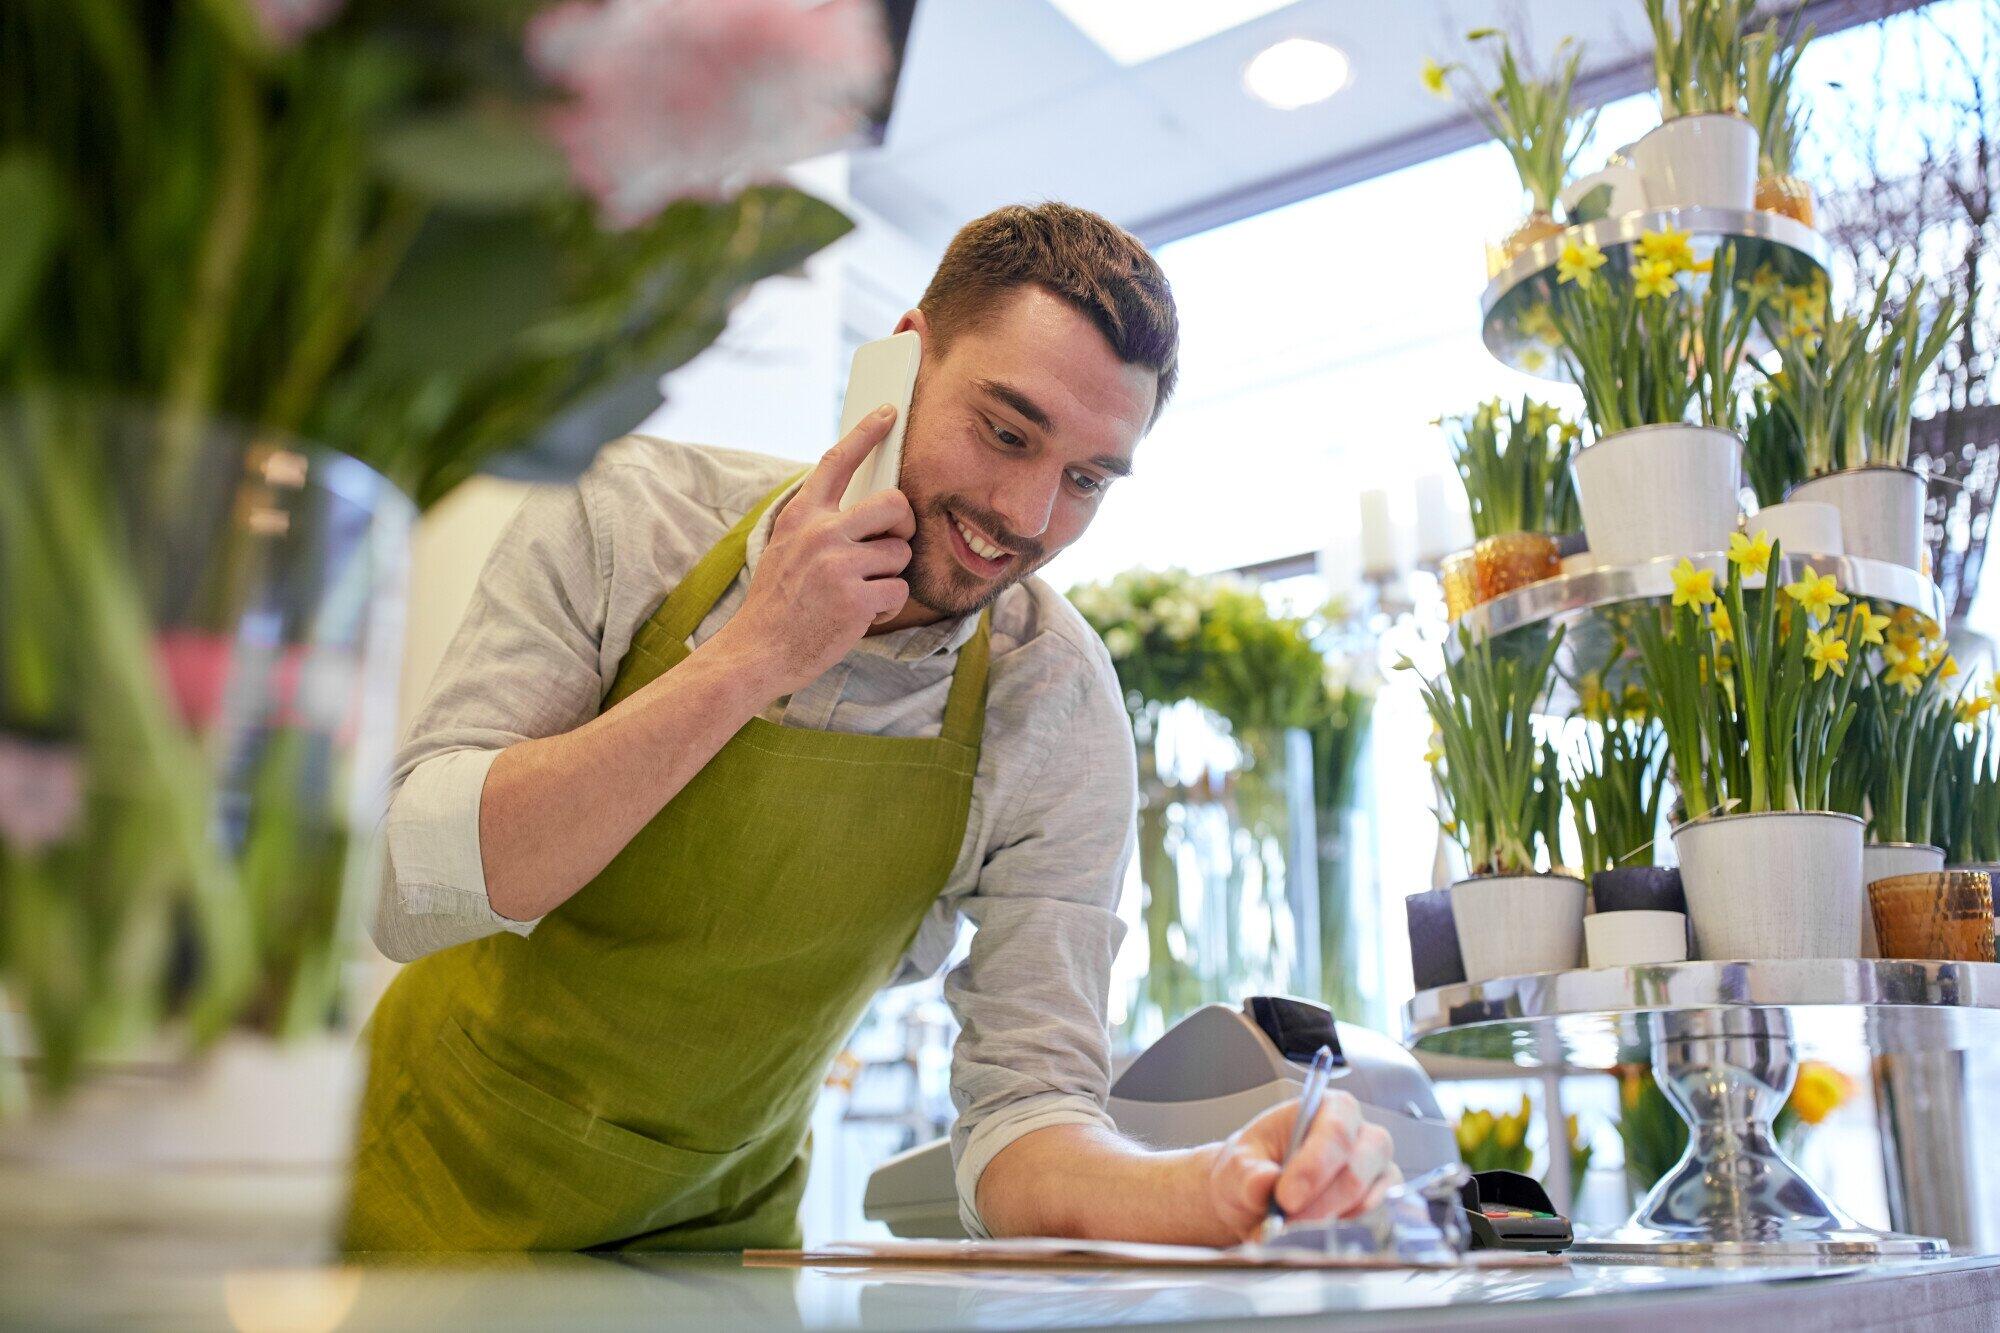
[(1096, 266)]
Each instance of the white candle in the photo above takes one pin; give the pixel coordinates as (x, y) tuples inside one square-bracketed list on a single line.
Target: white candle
[(1378, 537), (1442, 523)]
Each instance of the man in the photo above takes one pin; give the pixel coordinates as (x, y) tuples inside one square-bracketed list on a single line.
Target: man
[(710, 762)]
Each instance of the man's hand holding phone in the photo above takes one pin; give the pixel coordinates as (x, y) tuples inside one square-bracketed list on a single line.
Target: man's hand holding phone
[(827, 576)]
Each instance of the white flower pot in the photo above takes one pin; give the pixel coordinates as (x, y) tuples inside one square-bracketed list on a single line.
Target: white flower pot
[(1881, 511), (1879, 860), (1778, 885), (1512, 925), (1628, 939), (1659, 491), (1800, 527), (1705, 161)]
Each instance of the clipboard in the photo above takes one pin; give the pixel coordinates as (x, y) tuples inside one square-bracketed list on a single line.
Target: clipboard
[(1053, 1252)]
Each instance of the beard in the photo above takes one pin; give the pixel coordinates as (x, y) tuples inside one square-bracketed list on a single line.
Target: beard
[(938, 581)]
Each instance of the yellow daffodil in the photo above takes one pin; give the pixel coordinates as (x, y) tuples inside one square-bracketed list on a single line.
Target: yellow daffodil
[(1434, 78), (1596, 700), (1654, 277), (1827, 651), (1705, 266), (1973, 706), (1906, 670), (1579, 262), (1725, 632), (1638, 704), (1693, 587), (1903, 643), (1948, 668), (1819, 1091), (1870, 624), (1667, 247), (1435, 755), (1533, 359), (1764, 284), (1817, 593), (1752, 554)]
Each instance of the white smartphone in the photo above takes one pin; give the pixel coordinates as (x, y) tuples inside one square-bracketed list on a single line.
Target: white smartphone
[(884, 371)]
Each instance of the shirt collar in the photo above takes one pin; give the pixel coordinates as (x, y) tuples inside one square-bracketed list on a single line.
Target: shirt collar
[(903, 645)]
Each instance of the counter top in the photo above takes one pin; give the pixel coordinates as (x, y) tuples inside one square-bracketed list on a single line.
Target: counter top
[(67, 1287)]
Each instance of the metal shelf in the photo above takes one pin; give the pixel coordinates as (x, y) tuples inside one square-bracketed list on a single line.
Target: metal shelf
[(1591, 603), (1520, 338)]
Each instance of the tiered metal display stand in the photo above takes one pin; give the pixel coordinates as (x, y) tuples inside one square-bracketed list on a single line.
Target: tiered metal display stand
[(1725, 1037)]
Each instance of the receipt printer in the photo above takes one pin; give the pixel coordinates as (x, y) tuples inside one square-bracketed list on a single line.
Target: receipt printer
[(1204, 1079)]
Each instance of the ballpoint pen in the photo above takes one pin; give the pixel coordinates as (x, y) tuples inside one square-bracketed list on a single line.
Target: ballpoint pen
[(1310, 1096)]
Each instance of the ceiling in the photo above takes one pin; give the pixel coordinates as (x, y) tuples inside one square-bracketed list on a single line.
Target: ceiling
[(1005, 101)]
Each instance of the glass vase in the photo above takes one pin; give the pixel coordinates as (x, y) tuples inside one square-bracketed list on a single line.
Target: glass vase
[(1786, 195), (1513, 560)]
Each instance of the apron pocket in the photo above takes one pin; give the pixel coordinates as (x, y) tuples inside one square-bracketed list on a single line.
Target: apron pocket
[(605, 1181)]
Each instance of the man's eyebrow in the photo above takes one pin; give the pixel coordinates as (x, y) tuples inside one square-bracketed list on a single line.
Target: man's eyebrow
[(1112, 463), (1017, 400)]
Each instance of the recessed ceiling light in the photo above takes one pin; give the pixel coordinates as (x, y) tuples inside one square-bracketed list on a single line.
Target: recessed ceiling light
[(1131, 31), (1296, 72)]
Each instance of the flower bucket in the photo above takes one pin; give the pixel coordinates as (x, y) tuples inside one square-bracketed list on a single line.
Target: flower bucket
[(1511, 560), (1434, 955), (1632, 939), (1787, 196), (1801, 527), (1881, 511), (1880, 860), (1656, 492), (1783, 884), (1512, 925), (1703, 161)]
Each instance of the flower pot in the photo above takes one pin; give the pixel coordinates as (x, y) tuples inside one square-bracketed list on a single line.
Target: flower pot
[(178, 1149), (1511, 560), (1881, 511), (1459, 575), (1946, 916), (1787, 196), (1638, 889), (1800, 527), (1880, 860), (1784, 884), (1434, 956), (1701, 161), (1655, 492), (1512, 925), (1630, 939)]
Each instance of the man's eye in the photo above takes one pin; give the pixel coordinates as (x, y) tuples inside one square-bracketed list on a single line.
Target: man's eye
[(1086, 483), (1007, 437)]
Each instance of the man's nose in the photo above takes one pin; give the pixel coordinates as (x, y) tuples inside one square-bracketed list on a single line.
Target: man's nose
[(1025, 504)]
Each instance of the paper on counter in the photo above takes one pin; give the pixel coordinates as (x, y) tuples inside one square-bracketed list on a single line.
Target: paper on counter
[(1053, 1252)]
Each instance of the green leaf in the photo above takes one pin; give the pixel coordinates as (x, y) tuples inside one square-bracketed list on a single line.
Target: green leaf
[(474, 158), (468, 287), (31, 201)]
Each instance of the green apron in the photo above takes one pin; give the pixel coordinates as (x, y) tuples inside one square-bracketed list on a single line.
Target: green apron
[(641, 1070)]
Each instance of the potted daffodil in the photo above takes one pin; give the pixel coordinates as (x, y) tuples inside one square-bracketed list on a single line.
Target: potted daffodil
[(1536, 120), (1770, 62), (1754, 689), (1704, 153), (1502, 798), (1848, 383), (1658, 363), (1968, 819), (1515, 465)]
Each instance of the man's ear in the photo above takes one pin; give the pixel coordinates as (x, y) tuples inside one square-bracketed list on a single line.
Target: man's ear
[(913, 319)]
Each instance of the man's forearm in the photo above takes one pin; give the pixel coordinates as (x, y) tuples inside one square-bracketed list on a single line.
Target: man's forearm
[(555, 811), (1087, 1181)]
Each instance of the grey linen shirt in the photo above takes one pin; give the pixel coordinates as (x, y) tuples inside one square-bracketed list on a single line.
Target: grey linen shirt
[(1051, 827)]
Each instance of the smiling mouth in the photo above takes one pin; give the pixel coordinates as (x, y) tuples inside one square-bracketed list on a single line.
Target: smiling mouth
[(974, 551)]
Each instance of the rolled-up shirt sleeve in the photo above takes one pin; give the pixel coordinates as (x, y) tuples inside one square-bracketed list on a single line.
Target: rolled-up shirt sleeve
[(1034, 1047), (525, 663)]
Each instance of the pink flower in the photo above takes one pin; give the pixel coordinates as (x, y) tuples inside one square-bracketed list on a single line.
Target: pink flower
[(286, 22), (671, 98), (41, 792)]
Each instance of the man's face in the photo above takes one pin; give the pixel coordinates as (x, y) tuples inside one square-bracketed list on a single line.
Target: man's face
[(1015, 433)]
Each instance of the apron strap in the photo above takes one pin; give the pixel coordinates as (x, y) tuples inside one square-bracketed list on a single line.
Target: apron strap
[(696, 595), (965, 708)]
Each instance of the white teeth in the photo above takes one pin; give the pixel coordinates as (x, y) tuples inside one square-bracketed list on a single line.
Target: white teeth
[(981, 548)]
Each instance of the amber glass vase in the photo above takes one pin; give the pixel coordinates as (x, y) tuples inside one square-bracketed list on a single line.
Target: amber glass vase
[(1513, 560), (1536, 226), (1460, 576), (1786, 195)]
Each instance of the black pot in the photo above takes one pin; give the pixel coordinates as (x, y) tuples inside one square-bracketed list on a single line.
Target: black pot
[(1571, 543), (1434, 956), (1638, 889)]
